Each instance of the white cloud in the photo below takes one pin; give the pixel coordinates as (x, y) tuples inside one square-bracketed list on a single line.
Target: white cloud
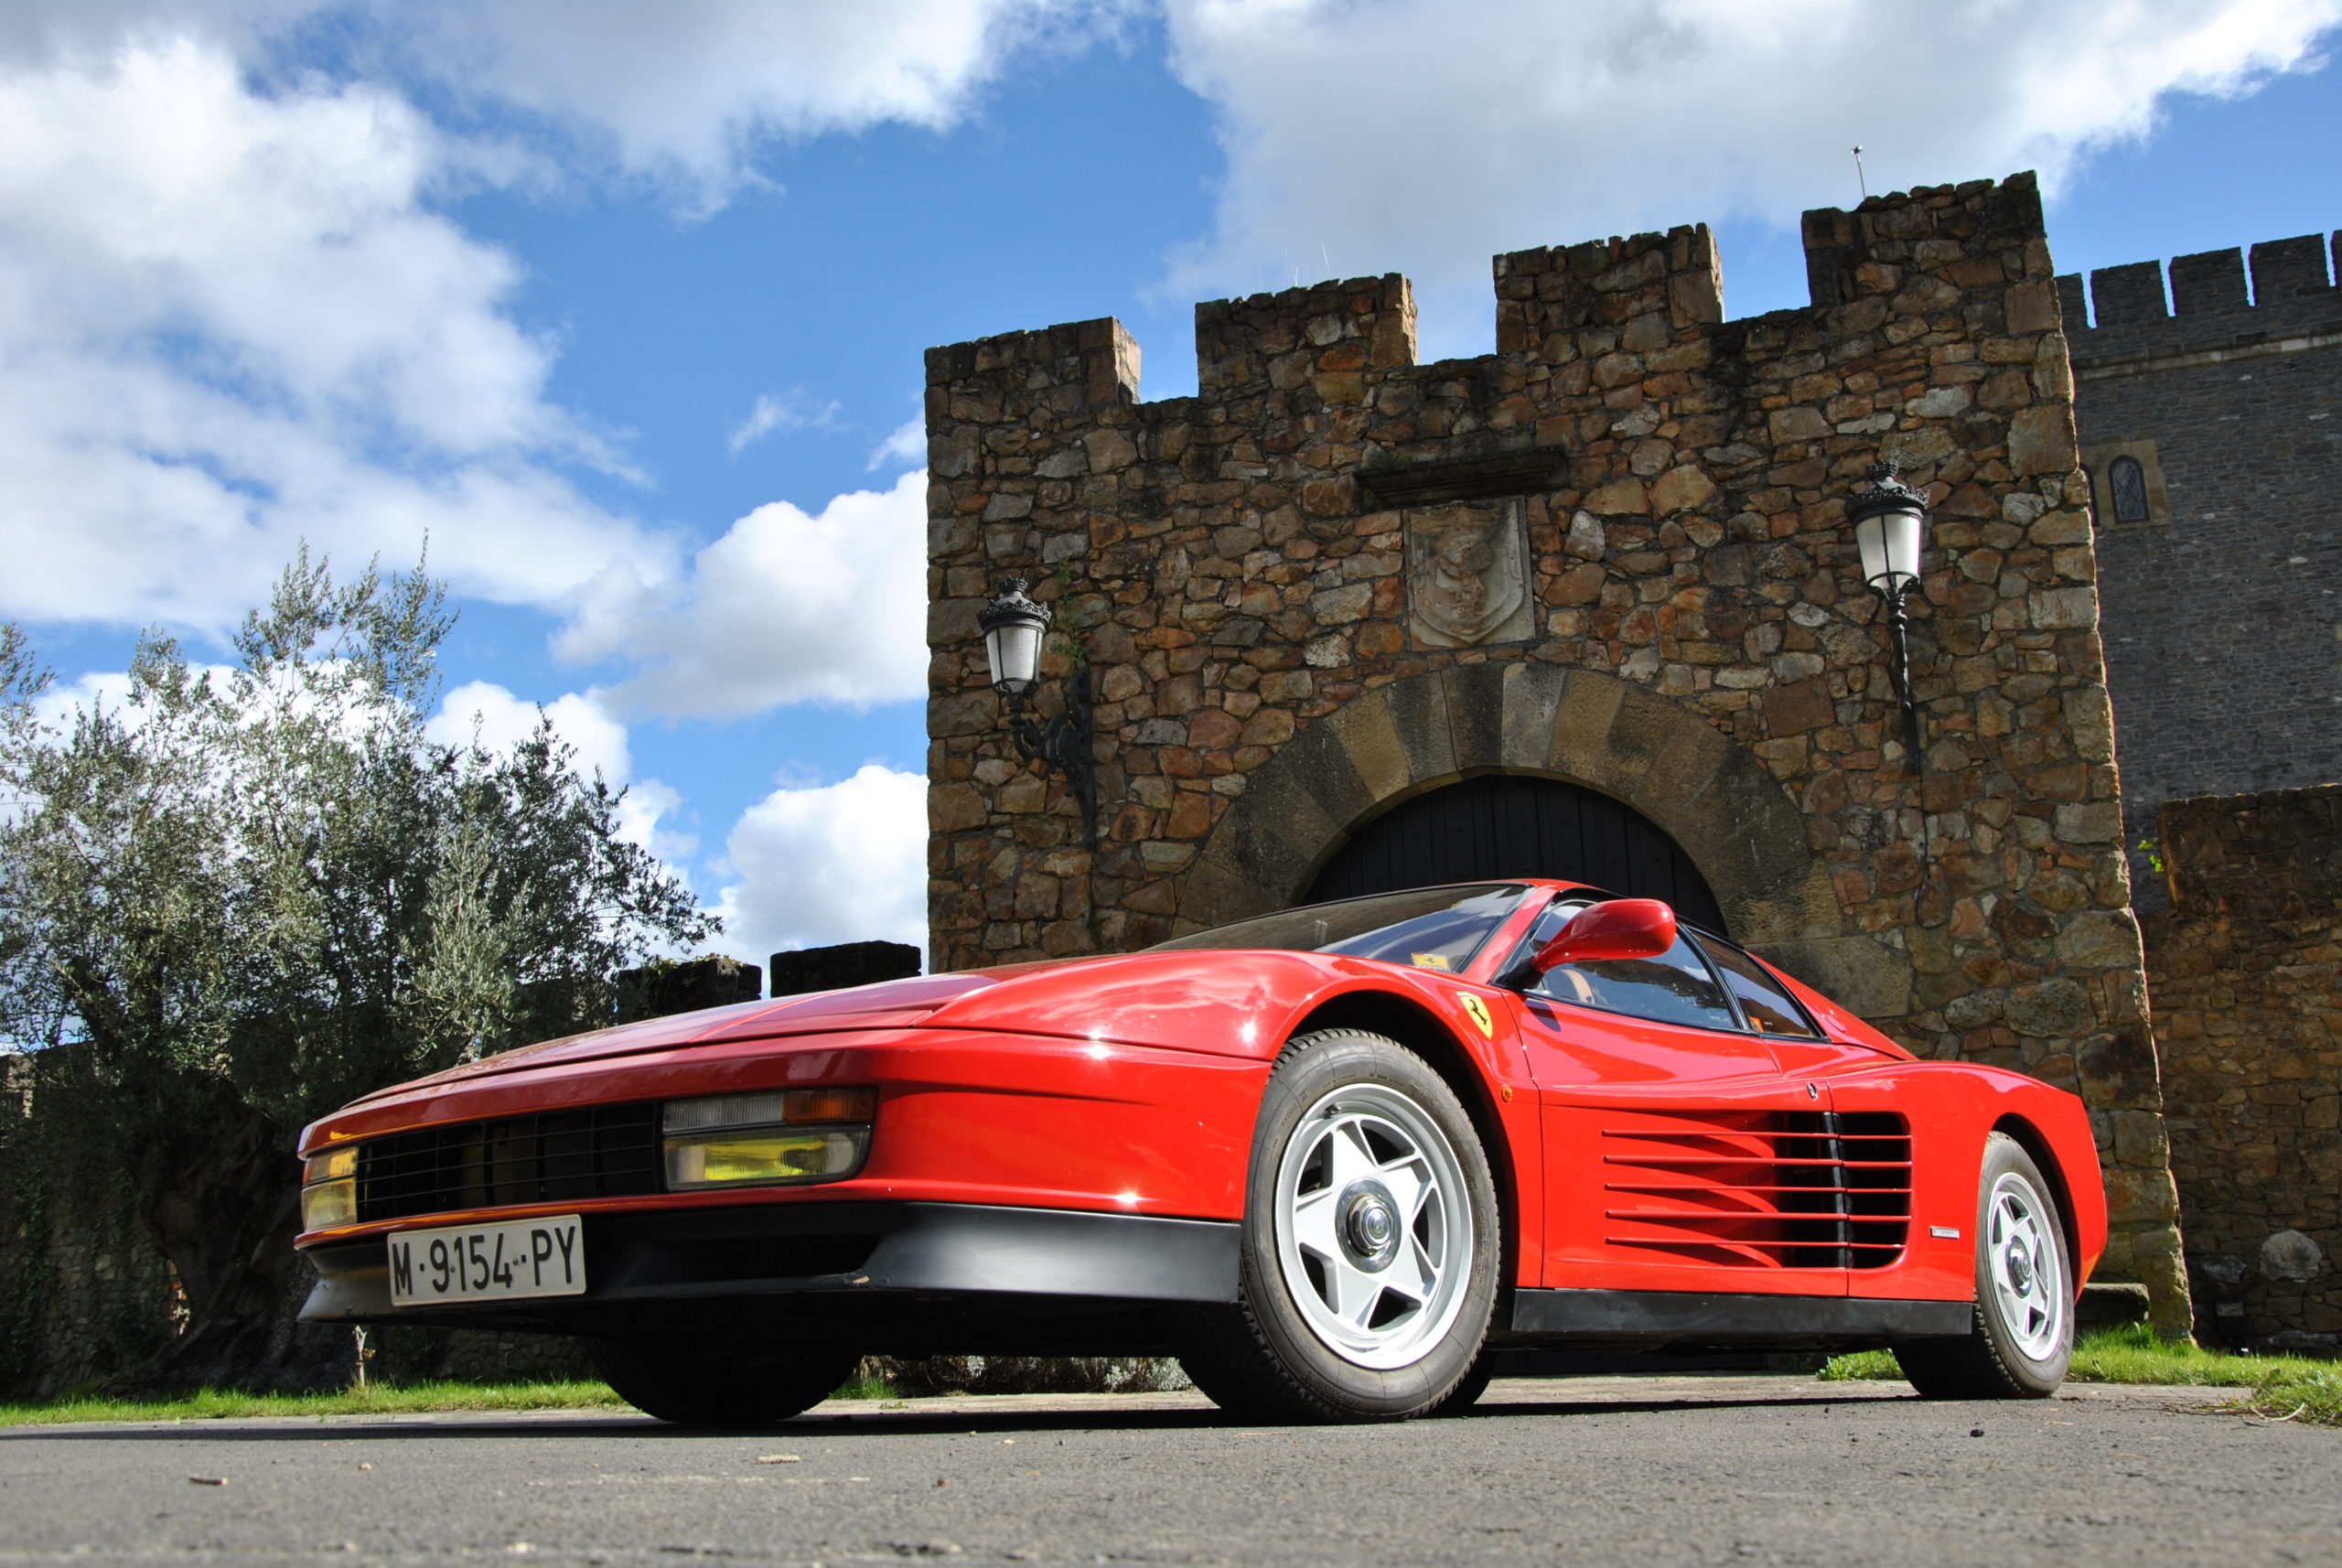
[(681, 94), (684, 92), (500, 720), (836, 863), (94, 690), (791, 410), (1422, 136), (905, 445), (787, 606), (229, 322)]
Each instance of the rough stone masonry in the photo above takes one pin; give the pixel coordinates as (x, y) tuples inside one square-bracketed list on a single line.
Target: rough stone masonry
[(2221, 568), (1289, 589), (2247, 969)]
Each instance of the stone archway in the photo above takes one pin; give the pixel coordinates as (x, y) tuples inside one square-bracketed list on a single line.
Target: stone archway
[(1708, 793)]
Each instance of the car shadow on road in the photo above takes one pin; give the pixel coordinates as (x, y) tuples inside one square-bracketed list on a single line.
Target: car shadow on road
[(564, 1427)]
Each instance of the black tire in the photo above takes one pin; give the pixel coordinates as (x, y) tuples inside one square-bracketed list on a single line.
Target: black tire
[(1466, 1394), (2022, 1339), (697, 1387), (1272, 1356)]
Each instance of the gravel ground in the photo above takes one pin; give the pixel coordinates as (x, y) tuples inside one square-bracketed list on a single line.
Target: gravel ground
[(1712, 1469)]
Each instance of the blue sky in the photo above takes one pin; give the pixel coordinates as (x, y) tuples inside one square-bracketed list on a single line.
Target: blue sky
[(624, 306)]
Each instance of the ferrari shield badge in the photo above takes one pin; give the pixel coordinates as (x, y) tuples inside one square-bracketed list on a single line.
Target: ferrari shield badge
[(1479, 1012)]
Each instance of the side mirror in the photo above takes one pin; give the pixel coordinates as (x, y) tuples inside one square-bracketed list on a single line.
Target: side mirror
[(1622, 927)]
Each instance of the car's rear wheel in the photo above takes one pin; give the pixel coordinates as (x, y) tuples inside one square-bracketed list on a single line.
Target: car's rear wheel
[(696, 1386), (1368, 1262), (2022, 1339)]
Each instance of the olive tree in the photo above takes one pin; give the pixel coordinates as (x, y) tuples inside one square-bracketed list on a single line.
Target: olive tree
[(241, 896)]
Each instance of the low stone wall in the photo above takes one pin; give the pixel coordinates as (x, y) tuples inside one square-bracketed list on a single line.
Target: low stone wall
[(665, 986), (83, 1294), (2245, 975)]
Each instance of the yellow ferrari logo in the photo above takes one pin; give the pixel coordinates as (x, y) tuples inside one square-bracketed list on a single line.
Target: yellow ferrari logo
[(1479, 1012)]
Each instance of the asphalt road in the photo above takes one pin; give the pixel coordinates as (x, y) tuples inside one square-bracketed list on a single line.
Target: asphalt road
[(1721, 1469)]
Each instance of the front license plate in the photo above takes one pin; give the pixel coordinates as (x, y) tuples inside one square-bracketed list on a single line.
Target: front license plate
[(488, 1263)]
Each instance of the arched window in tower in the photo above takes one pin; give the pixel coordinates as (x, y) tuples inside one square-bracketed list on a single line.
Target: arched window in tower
[(2126, 486)]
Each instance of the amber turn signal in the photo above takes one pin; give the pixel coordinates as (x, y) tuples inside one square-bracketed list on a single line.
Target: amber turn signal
[(832, 1105)]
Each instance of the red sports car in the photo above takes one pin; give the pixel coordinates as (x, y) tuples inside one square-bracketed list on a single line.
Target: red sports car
[(1328, 1157)]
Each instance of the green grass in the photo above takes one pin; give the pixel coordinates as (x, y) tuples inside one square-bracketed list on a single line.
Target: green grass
[(2283, 1386), (422, 1398)]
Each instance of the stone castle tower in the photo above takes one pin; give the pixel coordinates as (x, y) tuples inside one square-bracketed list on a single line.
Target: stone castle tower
[(1606, 569)]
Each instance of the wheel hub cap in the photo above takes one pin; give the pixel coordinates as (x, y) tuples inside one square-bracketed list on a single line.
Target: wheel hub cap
[(1374, 1232), (1370, 1225), (2028, 1281)]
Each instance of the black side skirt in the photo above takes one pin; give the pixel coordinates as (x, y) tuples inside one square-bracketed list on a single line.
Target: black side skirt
[(1691, 1320)]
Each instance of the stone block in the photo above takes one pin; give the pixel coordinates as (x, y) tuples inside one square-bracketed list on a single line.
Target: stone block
[(1530, 700), (1861, 972), (1370, 738), (1582, 723), (657, 989), (840, 964), (2041, 439), (1419, 716), (1798, 707)]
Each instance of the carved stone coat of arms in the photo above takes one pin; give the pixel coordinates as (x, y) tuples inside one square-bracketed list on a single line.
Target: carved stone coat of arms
[(1467, 574)]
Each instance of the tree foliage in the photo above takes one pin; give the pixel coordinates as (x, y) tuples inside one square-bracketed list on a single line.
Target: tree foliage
[(244, 895)]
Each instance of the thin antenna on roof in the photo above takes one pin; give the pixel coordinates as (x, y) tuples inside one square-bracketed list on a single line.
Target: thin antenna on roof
[(1861, 178)]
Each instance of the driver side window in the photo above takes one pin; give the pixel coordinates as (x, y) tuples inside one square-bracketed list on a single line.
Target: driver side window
[(1674, 988)]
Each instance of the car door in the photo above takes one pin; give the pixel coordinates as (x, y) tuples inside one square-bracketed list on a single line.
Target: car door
[(1677, 1157), (1878, 1153)]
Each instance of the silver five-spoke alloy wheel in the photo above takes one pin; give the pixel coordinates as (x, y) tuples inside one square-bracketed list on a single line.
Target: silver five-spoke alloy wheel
[(1373, 1226), (2027, 1271)]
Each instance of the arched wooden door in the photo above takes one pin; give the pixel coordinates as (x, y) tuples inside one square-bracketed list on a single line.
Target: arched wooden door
[(1503, 825)]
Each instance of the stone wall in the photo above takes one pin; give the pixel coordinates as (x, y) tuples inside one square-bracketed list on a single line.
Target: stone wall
[(2222, 625), (83, 1294), (684, 985), (1296, 591), (840, 964), (2245, 968)]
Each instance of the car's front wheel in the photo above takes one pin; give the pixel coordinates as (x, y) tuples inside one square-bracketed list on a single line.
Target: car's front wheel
[(1368, 1267), (2023, 1335), (697, 1386)]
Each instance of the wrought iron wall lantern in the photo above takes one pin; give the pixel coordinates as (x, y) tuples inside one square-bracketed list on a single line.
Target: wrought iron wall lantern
[(1890, 522), (1013, 628)]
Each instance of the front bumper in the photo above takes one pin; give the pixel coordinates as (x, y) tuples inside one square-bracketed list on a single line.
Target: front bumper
[(874, 1263)]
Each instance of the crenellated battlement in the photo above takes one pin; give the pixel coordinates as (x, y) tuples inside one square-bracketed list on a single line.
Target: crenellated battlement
[(2291, 292), (1641, 293), (1325, 335)]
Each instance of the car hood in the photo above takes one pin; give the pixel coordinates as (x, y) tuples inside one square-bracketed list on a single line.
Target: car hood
[(888, 1005), (1221, 1002)]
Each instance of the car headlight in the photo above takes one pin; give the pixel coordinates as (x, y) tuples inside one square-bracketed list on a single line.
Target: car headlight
[(777, 1136), (329, 1189)]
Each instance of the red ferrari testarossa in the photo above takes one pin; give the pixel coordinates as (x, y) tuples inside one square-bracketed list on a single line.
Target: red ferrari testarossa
[(1328, 1157)]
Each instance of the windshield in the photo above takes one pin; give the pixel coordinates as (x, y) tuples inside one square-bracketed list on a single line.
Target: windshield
[(1430, 927)]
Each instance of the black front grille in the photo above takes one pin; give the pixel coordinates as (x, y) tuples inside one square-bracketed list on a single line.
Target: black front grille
[(609, 1151)]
